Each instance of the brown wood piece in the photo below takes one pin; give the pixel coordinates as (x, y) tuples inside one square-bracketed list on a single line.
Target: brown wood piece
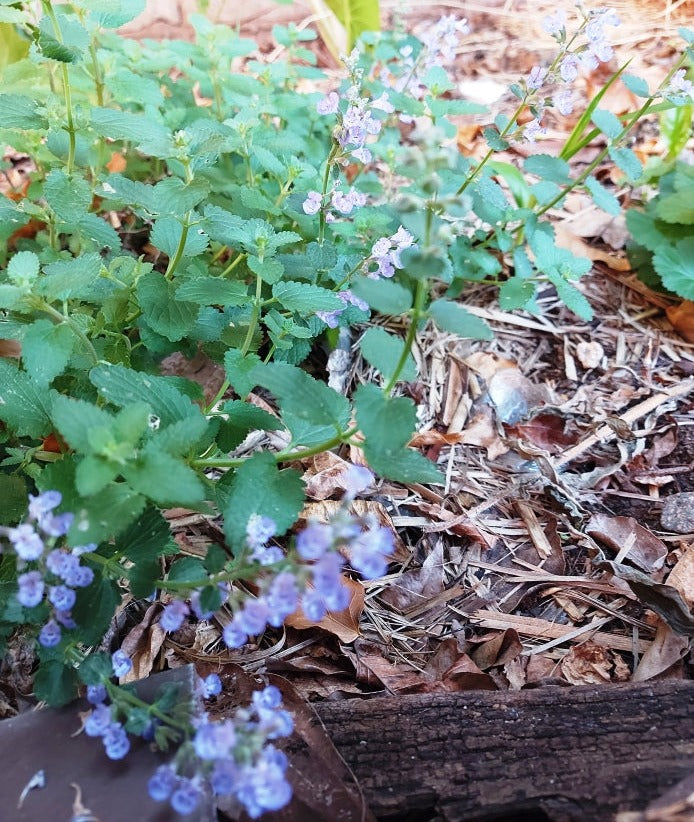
[(565, 754)]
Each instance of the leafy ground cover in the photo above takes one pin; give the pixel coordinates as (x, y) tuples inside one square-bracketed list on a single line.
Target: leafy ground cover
[(224, 298)]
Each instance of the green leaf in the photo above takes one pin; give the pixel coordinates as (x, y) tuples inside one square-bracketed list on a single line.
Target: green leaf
[(269, 270), (625, 159), (72, 43), (645, 227), (388, 425), (356, 16), (147, 538), (607, 122), (23, 268), (549, 168), (149, 136), (105, 515), (13, 498), (676, 127), (384, 296), (677, 207), (494, 139), (168, 316), (439, 107), (515, 293), (94, 609), (69, 197), (24, 405), (167, 233), (164, 478), (112, 14), (450, 316), (46, 350), (259, 487), (18, 111), (242, 418), (95, 668), (304, 298), (75, 418), (73, 278), (636, 85), (213, 291), (55, 683), (311, 409), (675, 265), (240, 370), (383, 351), (571, 296), (187, 569), (603, 198)]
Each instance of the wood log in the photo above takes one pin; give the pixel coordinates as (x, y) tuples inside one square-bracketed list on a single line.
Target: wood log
[(575, 754)]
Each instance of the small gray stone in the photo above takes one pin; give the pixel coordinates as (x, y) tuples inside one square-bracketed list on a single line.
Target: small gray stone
[(678, 513)]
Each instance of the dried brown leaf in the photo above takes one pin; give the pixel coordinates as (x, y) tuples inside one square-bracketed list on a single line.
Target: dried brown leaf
[(666, 650), (499, 650), (343, 624), (647, 551)]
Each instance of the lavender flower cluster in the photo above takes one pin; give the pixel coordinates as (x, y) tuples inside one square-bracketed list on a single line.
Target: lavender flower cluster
[(385, 254), (564, 70), (99, 722), (313, 578), (232, 757), (54, 572)]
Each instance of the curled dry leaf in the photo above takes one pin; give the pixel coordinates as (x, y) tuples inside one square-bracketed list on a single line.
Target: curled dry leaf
[(415, 587), (481, 431), (591, 664), (499, 650), (666, 650), (618, 533), (682, 575), (343, 624), (547, 430)]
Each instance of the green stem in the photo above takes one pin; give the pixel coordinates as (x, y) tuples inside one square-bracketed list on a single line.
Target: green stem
[(232, 265), (62, 318), (324, 192), (178, 256), (118, 694), (255, 315), (48, 8)]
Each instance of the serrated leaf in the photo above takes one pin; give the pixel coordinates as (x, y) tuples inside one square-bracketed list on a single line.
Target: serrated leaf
[(243, 417), (148, 135), (113, 14), (69, 197), (166, 236), (603, 198), (147, 538), (164, 478), (46, 350), (240, 369), (73, 278), (123, 386), (269, 270), (74, 419), (164, 313), (607, 122), (213, 291), (24, 405), (442, 106), (549, 168), (645, 227), (450, 316), (383, 351), (259, 487), (187, 569), (571, 296), (55, 683), (625, 159), (675, 265), (515, 293), (105, 515), (636, 85), (305, 298), (494, 140), (94, 609), (19, 111), (384, 296), (388, 425), (23, 268), (677, 207)]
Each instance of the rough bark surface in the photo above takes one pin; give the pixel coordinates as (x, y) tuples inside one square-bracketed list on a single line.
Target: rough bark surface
[(577, 754)]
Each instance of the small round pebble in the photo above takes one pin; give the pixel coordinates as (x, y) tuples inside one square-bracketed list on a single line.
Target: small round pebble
[(678, 513)]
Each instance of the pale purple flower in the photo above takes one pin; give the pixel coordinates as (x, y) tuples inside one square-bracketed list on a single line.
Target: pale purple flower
[(96, 694), (214, 740), (589, 60), (31, 588), (211, 685), (679, 85), (357, 478), (313, 606), (186, 797), (569, 68), (173, 615), (65, 619), (602, 50), (62, 597), (554, 23), (224, 778), (533, 130), (253, 617), (315, 539), (536, 77), (441, 40), (259, 529), (329, 104), (80, 577), (363, 155), (282, 598), (234, 635), (386, 253), (563, 101), (56, 525), (43, 503), (383, 104), (26, 542), (50, 634), (162, 783), (595, 29), (98, 721), (116, 742), (369, 550), (312, 203), (121, 663)]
